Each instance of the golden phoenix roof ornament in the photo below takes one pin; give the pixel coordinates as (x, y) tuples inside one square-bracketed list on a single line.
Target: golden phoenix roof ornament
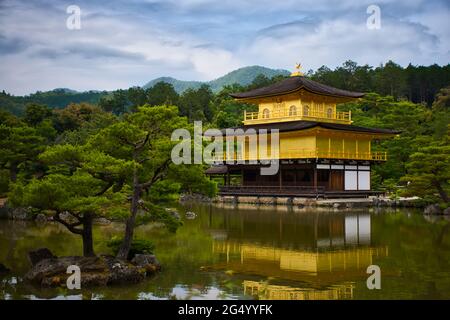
[(298, 66)]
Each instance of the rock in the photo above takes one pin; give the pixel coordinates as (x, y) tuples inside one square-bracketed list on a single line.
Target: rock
[(147, 262), (3, 269), (195, 197), (95, 271), (190, 215), (446, 211), (432, 209), (102, 221), (20, 214), (40, 254), (174, 213), (121, 272), (67, 217), (53, 271), (41, 217), (338, 205)]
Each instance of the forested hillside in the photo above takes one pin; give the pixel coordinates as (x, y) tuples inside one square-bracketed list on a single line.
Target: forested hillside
[(413, 83), (414, 100), (58, 98)]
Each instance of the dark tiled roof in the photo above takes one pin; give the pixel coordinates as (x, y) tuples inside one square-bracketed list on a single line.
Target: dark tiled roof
[(293, 84), (302, 125)]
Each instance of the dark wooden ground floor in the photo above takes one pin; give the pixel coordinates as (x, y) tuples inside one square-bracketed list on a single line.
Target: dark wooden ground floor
[(306, 192), (313, 178)]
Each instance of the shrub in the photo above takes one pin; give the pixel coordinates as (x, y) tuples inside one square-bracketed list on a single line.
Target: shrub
[(138, 246)]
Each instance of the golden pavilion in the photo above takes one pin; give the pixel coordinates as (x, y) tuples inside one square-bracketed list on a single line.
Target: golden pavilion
[(320, 152)]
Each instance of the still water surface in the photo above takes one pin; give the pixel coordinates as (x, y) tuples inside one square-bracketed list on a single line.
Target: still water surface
[(243, 252)]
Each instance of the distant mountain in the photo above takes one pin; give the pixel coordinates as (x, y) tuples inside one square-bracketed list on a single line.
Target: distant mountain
[(64, 90), (61, 97), (243, 76), (179, 85)]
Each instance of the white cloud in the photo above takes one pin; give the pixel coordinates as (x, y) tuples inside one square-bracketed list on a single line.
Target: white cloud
[(124, 44), (331, 42)]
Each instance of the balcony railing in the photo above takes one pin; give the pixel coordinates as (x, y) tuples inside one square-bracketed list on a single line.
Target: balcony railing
[(305, 154), (285, 115)]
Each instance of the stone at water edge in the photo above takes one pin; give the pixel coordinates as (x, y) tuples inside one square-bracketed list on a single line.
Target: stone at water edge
[(41, 218), (174, 213), (432, 209), (95, 271), (446, 211), (190, 215), (20, 214), (122, 272), (146, 261), (40, 254), (338, 205), (53, 272), (102, 221)]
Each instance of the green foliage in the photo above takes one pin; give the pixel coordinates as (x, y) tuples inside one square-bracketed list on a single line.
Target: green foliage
[(74, 116), (55, 99), (191, 179), (440, 116), (8, 119), (164, 191), (19, 148), (78, 181), (415, 122), (417, 84), (36, 113), (196, 104), (229, 113), (46, 130), (138, 246), (390, 186), (429, 172), (4, 182), (143, 139), (162, 93), (152, 212), (116, 102)]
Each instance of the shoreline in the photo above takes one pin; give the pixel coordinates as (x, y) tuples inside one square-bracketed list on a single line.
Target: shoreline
[(337, 203), (256, 202)]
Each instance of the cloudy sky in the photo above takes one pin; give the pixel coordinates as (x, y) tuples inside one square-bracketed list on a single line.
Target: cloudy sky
[(126, 43)]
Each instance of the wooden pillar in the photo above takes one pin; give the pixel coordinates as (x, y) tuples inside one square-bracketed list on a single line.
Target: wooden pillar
[(242, 177), (295, 176), (228, 178), (315, 176), (280, 178), (329, 178)]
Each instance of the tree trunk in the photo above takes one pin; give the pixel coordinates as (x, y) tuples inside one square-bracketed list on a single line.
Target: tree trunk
[(13, 172), (88, 240), (442, 193), (129, 227)]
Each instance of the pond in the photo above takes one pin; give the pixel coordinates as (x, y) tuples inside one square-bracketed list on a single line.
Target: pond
[(248, 252)]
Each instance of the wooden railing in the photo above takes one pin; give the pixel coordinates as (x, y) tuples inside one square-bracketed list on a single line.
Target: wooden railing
[(285, 115), (272, 190), (307, 154)]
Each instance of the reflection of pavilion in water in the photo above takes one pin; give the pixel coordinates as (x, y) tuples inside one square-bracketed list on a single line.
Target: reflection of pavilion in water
[(273, 292), (331, 252)]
